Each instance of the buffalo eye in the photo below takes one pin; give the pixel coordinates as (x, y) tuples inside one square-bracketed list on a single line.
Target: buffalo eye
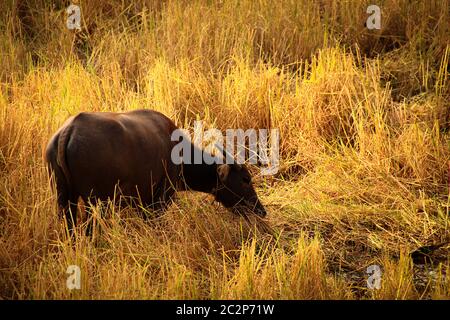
[(246, 180)]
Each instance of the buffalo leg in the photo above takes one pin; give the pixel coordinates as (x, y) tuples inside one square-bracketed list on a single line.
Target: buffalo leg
[(68, 209), (67, 200), (90, 204), (71, 216)]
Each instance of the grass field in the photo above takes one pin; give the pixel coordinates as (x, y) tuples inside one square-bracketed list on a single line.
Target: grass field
[(364, 119)]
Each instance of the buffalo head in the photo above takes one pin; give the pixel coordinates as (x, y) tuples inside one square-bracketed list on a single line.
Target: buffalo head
[(235, 190)]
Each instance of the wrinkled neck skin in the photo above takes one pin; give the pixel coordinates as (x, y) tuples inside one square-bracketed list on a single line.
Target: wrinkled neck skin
[(199, 177)]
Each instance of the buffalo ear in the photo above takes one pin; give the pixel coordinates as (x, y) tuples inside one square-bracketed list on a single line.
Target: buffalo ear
[(223, 170)]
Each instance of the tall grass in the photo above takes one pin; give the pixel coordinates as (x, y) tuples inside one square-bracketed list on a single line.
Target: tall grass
[(364, 121)]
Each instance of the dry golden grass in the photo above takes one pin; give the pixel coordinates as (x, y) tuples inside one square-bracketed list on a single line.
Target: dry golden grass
[(365, 150)]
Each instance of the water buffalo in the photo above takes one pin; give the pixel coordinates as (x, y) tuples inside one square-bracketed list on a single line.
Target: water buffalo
[(97, 155)]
